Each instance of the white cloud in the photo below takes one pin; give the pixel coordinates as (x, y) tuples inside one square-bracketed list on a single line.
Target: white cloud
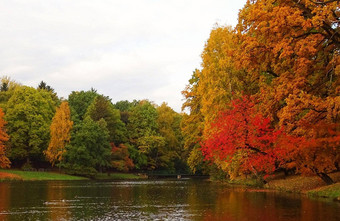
[(131, 49)]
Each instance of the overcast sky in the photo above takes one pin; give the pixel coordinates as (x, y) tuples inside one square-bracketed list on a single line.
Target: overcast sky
[(126, 49)]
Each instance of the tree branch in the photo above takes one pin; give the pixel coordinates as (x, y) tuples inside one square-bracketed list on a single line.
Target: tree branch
[(272, 73), (323, 3), (247, 146)]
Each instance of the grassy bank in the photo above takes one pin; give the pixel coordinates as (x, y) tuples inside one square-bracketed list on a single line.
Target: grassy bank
[(30, 175), (313, 186)]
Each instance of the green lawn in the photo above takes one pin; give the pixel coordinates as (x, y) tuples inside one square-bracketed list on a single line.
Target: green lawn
[(29, 175)]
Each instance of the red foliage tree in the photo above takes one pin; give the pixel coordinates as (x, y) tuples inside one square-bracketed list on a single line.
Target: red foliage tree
[(4, 161), (317, 153), (264, 149), (120, 158), (242, 128)]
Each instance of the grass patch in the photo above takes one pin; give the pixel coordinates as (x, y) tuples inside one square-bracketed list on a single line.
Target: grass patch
[(331, 191), (29, 175), (116, 176)]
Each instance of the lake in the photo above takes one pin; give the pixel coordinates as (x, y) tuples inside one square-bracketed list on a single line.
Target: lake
[(155, 200)]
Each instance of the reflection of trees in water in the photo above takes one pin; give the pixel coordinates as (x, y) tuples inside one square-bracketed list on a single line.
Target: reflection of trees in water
[(159, 200), (4, 199), (56, 202), (266, 206)]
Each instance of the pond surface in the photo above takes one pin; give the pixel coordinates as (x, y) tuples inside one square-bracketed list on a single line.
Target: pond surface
[(154, 200)]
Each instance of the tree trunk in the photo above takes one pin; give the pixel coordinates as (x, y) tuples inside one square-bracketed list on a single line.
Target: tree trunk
[(326, 178)]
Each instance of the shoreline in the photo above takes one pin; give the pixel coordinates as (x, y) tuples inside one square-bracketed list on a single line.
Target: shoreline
[(311, 186), (19, 175)]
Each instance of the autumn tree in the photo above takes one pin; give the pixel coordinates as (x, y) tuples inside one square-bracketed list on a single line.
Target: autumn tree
[(60, 133), (219, 80), (215, 84), (192, 125), (120, 158), (4, 161), (292, 46), (242, 130), (317, 153), (286, 54)]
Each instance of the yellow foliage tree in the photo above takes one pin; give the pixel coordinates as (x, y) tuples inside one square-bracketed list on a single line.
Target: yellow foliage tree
[(60, 131), (4, 161)]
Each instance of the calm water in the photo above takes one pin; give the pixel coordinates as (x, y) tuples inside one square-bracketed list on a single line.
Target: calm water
[(154, 200)]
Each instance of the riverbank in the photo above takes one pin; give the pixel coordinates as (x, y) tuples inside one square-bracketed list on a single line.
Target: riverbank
[(35, 175), (312, 186), (20, 175)]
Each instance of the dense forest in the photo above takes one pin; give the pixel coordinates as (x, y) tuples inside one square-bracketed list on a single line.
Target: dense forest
[(86, 133), (265, 99)]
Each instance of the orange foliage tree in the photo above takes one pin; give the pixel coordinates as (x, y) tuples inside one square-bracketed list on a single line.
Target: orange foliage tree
[(286, 53), (292, 45), (4, 161), (60, 131)]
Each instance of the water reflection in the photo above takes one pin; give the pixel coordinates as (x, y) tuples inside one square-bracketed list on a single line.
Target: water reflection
[(4, 198), (159, 200)]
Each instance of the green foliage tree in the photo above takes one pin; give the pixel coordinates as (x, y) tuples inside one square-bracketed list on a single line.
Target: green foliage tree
[(168, 122), (29, 113), (79, 101), (124, 108), (142, 123), (43, 86), (6, 90), (154, 147), (102, 108), (89, 150), (142, 120)]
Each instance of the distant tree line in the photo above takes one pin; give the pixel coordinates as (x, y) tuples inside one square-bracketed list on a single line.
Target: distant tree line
[(86, 133)]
